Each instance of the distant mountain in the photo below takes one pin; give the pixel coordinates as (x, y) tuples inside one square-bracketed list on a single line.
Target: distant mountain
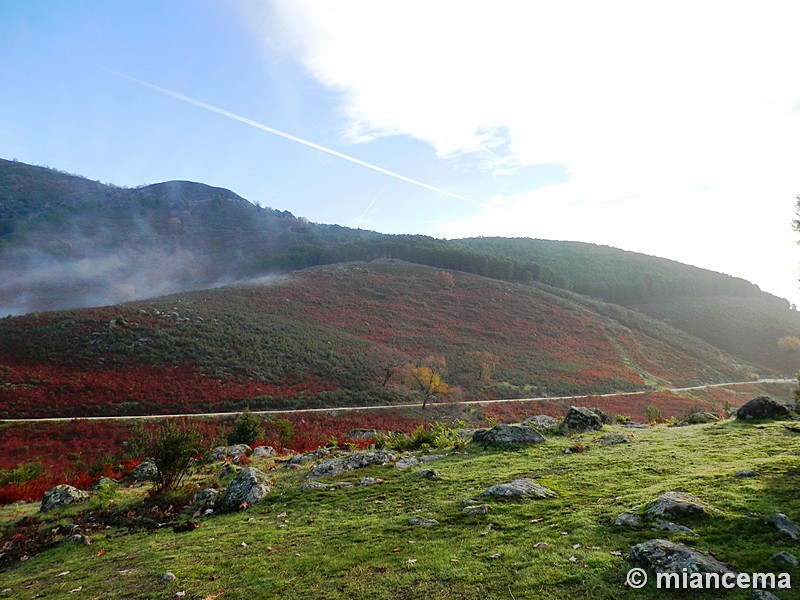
[(338, 335), (727, 312)]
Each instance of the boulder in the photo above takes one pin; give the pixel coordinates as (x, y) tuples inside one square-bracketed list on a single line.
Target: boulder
[(512, 435), (782, 523), (361, 434), (744, 473), (663, 556), (672, 527), (406, 463), (541, 422), (520, 488), (145, 471), (762, 595), (310, 486), (785, 558), (344, 464), (206, 497), (61, 496), (676, 505), (613, 439), (427, 474), (581, 419), (247, 488), (628, 520), (263, 452), (762, 407), (480, 509), (700, 417), (605, 418), (422, 522)]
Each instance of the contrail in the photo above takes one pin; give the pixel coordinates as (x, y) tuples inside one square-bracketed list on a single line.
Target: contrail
[(293, 138)]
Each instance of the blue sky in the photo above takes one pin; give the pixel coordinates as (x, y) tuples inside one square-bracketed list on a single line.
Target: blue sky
[(668, 129)]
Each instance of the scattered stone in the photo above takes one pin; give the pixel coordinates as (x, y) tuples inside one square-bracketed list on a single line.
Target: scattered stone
[(613, 439), (762, 595), (339, 465), (205, 496), (784, 525), (422, 522), (361, 434), (370, 480), (763, 407), (628, 520), (246, 489), (263, 452), (406, 463), (427, 474), (342, 485), (672, 527), (61, 496), (663, 556), (676, 505), (426, 458), (631, 425), (541, 422), (79, 538), (785, 558), (167, 577), (700, 417), (481, 509), (520, 488), (747, 473), (302, 459), (146, 470), (511, 435), (581, 419), (605, 418), (313, 485)]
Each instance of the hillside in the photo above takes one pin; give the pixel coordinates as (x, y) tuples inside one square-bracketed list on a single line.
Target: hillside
[(563, 546), (338, 335), (727, 312)]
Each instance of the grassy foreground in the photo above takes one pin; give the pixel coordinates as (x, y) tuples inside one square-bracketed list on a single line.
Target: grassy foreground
[(357, 543)]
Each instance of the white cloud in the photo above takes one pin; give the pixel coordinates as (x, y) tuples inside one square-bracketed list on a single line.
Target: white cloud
[(678, 121)]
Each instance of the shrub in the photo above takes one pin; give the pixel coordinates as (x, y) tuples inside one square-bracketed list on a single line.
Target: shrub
[(173, 446), (246, 430)]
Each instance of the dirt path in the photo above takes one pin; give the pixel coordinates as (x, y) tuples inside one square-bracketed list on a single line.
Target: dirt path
[(394, 406)]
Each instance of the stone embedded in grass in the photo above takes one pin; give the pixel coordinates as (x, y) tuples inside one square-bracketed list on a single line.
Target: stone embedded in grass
[(663, 556), (762, 595), (406, 463), (247, 488), (520, 488), (762, 407), (700, 417), (167, 577), (481, 509), (672, 527), (61, 496), (676, 505), (427, 474), (422, 522), (782, 523), (747, 473), (312, 486), (369, 480), (146, 470), (510, 435), (785, 558), (541, 422), (628, 520), (205, 496), (263, 452), (581, 419), (426, 458), (613, 439), (234, 451), (344, 464)]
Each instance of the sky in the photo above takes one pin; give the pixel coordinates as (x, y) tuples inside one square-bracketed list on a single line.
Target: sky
[(665, 128)]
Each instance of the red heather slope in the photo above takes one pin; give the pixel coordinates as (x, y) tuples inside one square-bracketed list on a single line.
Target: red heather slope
[(331, 336)]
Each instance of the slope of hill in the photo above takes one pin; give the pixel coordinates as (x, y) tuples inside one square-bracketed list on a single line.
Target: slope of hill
[(337, 335), (727, 312)]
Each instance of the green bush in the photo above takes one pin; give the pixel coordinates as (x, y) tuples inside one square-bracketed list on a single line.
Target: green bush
[(246, 430), (173, 445)]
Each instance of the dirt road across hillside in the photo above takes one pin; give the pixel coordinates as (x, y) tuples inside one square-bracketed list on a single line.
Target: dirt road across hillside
[(395, 406)]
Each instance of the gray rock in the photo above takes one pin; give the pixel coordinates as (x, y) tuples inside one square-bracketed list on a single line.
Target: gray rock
[(145, 471), (613, 439), (235, 451), (205, 496), (581, 419), (313, 485), (628, 520), (785, 558), (427, 474), (605, 418), (672, 527), (422, 522), (167, 577), (106, 482), (663, 556), (61, 496), (406, 463), (747, 473), (339, 465), (247, 488), (782, 523), (79, 538), (481, 509), (303, 459), (700, 417), (370, 480), (478, 435), (228, 470), (426, 458), (762, 595), (541, 422), (520, 488), (361, 434), (512, 435), (762, 407), (676, 505), (263, 452)]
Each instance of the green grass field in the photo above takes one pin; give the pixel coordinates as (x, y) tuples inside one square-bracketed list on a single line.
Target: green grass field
[(357, 543)]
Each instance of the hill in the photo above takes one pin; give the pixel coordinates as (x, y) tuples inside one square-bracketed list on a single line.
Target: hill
[(563, 546), (338, 335), (727, 312)]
